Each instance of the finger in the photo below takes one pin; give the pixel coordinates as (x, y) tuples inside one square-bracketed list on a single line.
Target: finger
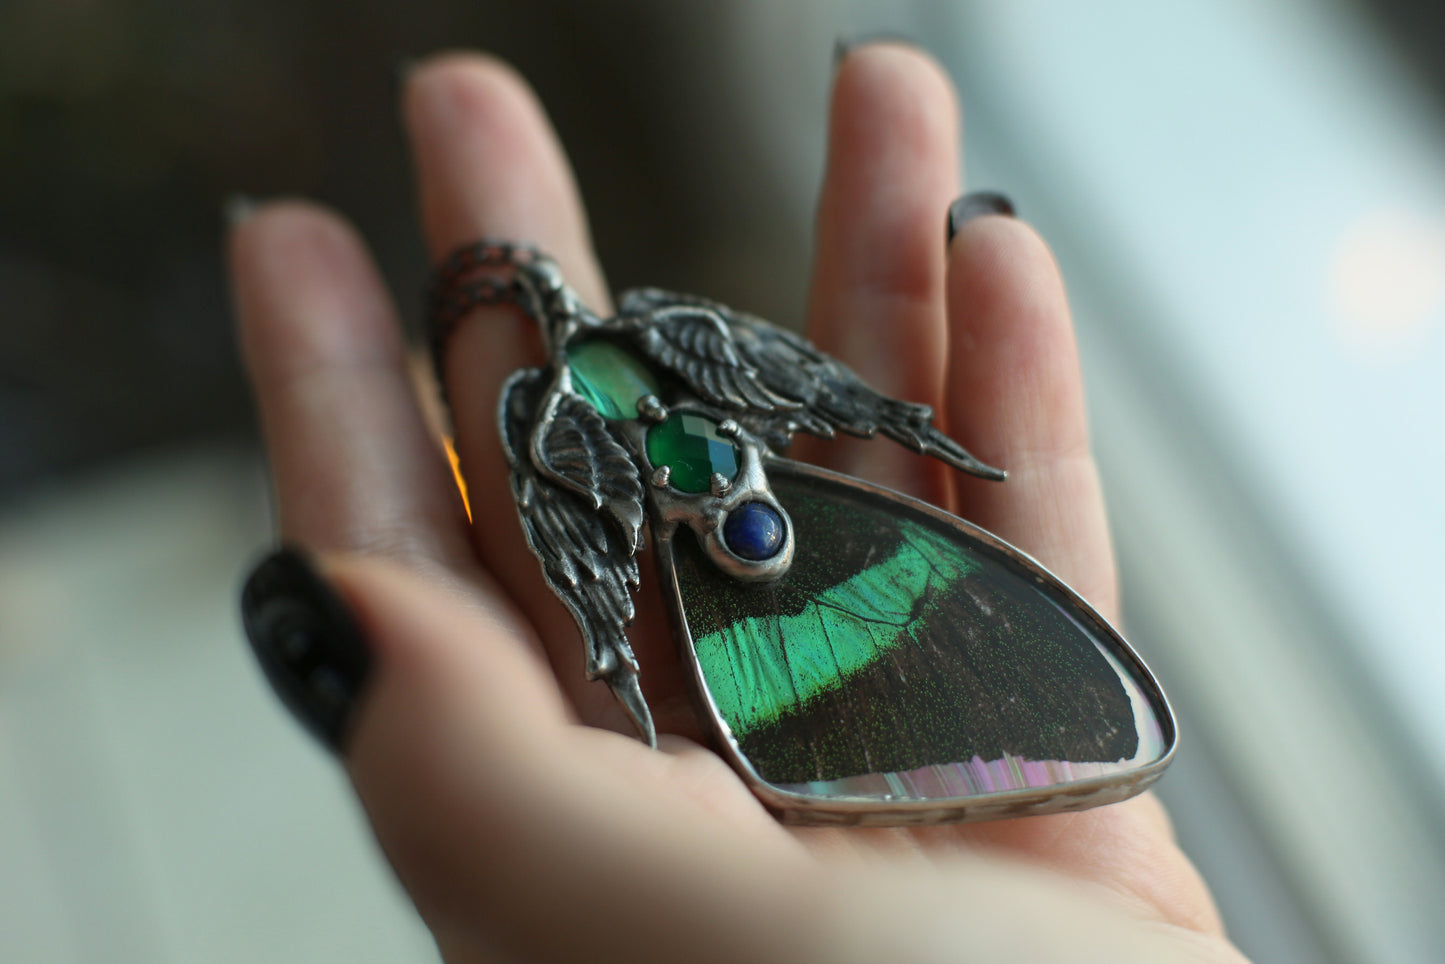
[(1001, 910), (1016, 400), (877, 290), (489, 165), (498, 814), (1128, 848), (353, 463)]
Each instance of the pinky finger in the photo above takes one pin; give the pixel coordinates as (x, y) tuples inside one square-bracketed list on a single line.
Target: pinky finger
[(1016, 400), (353, 463)]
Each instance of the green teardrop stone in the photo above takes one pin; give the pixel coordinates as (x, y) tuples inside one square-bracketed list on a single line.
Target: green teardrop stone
[(609, 378), (691, 447)]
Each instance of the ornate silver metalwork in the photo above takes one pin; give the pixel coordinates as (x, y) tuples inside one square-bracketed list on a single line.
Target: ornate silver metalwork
[(704, 512), (773, 382), (578, 478)]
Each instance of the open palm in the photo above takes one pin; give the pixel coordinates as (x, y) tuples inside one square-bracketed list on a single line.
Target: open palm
[(507, 791)]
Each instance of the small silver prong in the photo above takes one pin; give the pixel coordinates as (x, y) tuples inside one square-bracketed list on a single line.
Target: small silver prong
[(547, 275), (629, 693), (720, 484), (660, 476), (728, 428), (651, 409)]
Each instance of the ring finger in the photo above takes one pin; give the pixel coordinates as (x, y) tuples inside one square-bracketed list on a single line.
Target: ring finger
[(489, 166), (877, 293)]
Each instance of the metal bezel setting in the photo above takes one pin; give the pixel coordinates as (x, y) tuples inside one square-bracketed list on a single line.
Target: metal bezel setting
[(705, 512), (801, 809)]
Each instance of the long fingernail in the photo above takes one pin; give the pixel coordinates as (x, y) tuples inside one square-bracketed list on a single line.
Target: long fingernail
[(844, 46), (237, 209), (402, 67), (307, 642), (974, 205)]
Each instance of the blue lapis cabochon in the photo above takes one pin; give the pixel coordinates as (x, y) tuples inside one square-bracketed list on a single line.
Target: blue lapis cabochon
[(754, 531)]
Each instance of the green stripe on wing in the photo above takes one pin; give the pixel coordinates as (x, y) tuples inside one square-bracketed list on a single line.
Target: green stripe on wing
[(763, 666)]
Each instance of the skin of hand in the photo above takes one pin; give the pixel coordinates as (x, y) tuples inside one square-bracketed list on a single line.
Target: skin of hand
[(523, 818)]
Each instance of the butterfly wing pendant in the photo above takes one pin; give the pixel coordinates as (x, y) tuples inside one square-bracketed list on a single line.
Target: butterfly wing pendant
[(859, 656)]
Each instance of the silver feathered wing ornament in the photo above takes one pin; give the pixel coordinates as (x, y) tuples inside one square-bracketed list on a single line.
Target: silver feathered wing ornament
[(858, 656), (773, 381), (579, 478)]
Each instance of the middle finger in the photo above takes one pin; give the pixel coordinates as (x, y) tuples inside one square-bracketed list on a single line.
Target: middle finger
[(489, 166), (877, 292)]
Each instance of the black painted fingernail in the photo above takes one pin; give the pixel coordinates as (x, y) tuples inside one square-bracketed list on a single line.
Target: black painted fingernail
[(307, 642), (974, 205), (844, 46), (237, 209), (402, 67)]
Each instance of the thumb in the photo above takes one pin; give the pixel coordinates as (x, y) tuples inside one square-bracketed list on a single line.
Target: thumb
[(501, 816), (457, 712)]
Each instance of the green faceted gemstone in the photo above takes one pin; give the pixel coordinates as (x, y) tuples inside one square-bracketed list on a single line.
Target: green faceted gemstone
[(691, 447), (609, 378)]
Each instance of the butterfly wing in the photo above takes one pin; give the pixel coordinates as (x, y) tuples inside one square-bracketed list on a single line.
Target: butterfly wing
[(911, 668)]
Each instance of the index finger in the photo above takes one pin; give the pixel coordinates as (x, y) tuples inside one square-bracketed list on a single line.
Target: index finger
[(353, 463), (1016, 400), (489, 165)]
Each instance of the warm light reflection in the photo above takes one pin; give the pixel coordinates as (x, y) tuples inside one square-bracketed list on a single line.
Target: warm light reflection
[(457, 474), (1387, 284)]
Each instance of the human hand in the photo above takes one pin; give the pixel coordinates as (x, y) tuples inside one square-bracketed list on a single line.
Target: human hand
[(521, 815)]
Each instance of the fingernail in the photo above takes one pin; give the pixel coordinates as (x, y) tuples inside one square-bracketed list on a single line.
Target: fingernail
[(237, 209), (974, 205), (844, 46), (307, 642), (401, 70)]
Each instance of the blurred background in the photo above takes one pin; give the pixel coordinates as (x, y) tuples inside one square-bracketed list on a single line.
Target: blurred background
[(1248, 202)]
